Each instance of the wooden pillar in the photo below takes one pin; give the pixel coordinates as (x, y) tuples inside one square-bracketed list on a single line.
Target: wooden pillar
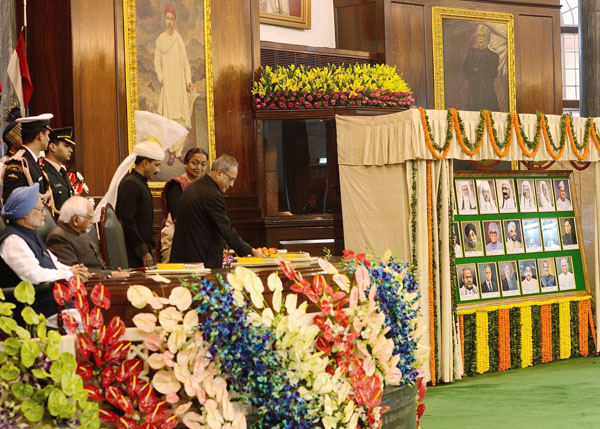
[(589, 34)]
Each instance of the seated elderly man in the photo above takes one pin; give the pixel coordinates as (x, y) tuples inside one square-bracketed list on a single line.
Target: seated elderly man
[(71, 243), (23, 255)]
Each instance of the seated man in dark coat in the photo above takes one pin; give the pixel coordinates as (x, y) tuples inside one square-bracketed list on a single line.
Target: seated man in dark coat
[(203, 227), (23, 255), (71, 243)]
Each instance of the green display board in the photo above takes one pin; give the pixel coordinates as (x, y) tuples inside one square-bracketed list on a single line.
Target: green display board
[(518, 234)]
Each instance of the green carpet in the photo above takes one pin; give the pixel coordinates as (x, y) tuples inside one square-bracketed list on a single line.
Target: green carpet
[(563, 394)]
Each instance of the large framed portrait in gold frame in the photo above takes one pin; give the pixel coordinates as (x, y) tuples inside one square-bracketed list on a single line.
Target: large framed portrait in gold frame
[(473, 59), (285, 13), (168, 68)]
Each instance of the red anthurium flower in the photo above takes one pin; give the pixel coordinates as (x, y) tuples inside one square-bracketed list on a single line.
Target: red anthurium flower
[(288, 270), (107, 376), (100, 296), (338, 295), (170, 422), (148, 402), (115, 329), (85, 370), (86, 346), (297, 288), (311, 296), (348, 255), (116, 398), (159, 414), (76, 285), (142, 388), (362, 258), (369, 392), (319, 321), (69, 322), (323, 345), (96, 320), (94, 393), (420, 410), (131, 368), (61, 294), (89, 329), (108, 416), (126, 423), (147, 426), (98, 358), (318, 284), (81, 304), (117, 351), (102, 337), (132, 386), (325, 307), (421, 389)]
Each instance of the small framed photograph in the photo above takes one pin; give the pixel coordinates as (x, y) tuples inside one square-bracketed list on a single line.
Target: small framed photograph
[(467, 282), (509, 278), (545, 195), (531, 234), (529, 277), (513, 236), (465, 197), (472, 239), (563, 195), (566, 279), (550, 234), (486, 192), (506, 196), (458, 253), (547, 274), (568, 233), (488, 276), (493, 238), (526, 195)]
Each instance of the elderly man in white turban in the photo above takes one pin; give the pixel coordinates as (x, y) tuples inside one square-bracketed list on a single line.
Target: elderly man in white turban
[(527, 200), (487, 204), (562, 202), (130, 194), (23, 255)]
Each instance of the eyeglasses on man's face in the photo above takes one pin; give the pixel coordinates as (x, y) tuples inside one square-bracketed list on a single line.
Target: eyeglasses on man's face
[(231, 179)]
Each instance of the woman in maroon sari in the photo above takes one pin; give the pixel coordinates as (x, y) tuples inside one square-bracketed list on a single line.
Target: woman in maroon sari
[(195, 163)]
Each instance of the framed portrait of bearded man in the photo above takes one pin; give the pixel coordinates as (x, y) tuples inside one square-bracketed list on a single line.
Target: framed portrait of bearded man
[(169, 72), (473, 59)]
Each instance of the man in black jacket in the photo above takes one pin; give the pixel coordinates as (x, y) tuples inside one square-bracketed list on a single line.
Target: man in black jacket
[(203, 227), (23, 168), (60, 150)]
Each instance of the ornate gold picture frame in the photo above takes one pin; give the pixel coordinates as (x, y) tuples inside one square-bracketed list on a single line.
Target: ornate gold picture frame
[(177, 85), (285, 13), (473, 59)]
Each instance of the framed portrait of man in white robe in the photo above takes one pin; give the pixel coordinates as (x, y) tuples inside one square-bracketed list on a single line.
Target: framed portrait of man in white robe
[(285, 13), (166, 47)]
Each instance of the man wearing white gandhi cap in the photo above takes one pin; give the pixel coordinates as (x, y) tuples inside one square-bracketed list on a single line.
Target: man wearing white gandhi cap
[(129, 193)]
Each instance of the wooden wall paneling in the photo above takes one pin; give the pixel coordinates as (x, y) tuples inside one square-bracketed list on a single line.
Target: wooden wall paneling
[(49, 57), (406, 46), (95, 91), (359, 25), (233, 70)]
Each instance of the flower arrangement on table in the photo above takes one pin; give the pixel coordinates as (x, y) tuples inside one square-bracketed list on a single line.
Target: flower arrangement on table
[(78, 183), (217, 347), (301, 87)]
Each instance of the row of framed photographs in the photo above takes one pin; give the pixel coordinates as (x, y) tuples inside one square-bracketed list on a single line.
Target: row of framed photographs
[(511, 236), (499, 196), (514, 278)]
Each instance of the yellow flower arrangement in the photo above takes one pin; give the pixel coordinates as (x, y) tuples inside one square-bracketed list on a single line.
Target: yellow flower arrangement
[(292, 87)]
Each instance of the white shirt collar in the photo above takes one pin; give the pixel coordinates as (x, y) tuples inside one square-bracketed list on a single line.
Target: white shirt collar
[(35, 157), (54, 164)]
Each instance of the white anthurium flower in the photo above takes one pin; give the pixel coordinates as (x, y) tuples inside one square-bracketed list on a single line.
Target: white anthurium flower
[(139, 295), (190, 321), (169, 318), (187, 355), (353, 423), (145, 321), (181, 297), (255, 318), (156, 361), (343, 391), (176, 339), (267, 317), (290, 302), (276, 302), (228, 411), (274, 282), (182, 373), (328, 405), (342, 281), (192, 420), (164, 382), (327, 266), (235, 282), (238, 298), (304, 393), (349, 412), (323, 383), (329, 422), (214, 419), (158, 302)]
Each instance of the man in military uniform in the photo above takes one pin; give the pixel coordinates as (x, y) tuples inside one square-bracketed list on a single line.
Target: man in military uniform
[(60, 150), (23, 169)]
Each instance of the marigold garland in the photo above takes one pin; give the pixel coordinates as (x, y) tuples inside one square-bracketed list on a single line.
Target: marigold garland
[(548, 140), (461, 328), (483, 350), (503, 339), (432, 145), (463, 139), (573, 139), (432, 364), (583, 328), (494, 138), (546, 319), (522, 139), (565, 330), (591, 325), (526, 343)]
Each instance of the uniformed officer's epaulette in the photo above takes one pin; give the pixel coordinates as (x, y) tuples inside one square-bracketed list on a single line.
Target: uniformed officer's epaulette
[(18, 156)]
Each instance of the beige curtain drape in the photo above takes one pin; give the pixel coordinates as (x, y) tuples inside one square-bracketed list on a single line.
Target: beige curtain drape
[(375, 156)]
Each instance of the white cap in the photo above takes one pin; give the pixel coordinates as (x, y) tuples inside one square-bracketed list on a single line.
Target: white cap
[(42, 117), (561, 184)]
